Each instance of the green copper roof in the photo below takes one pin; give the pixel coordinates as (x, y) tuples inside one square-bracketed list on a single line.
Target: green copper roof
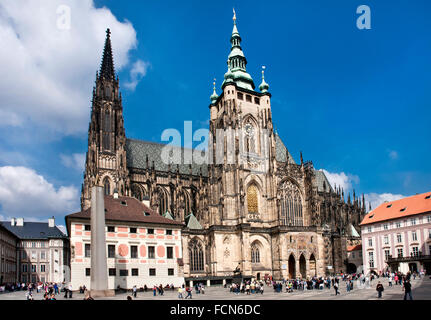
[(353, 231), (237, 63), (192, 222), (167, 215), (214, 96), (263, 86)]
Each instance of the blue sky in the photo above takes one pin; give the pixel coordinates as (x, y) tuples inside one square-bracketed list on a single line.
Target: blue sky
[(355, 102)]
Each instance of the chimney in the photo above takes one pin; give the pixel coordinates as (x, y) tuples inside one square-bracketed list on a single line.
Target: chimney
[(115, 193), (20, 222), (51, 222), (146, 201), (13, 222)]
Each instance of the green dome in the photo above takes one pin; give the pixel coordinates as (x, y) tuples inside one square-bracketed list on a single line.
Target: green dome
[(263, 86), (214, 96)]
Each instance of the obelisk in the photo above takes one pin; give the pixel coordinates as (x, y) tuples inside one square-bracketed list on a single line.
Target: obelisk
[(99, 268)]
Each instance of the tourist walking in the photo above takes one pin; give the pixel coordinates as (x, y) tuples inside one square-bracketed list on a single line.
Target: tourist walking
[(180, 292), (407, 290), (189, 292), (336, 288), (379, 289), (135, 291)]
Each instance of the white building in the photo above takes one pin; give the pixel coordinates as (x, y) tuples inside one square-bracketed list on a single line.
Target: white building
[(142, 247)]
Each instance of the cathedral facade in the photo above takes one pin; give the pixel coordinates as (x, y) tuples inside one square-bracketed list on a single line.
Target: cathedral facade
[(254, 208)]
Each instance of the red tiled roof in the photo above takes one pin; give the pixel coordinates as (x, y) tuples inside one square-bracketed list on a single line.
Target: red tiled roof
[(126, 209), (420, 203), (354, 248)]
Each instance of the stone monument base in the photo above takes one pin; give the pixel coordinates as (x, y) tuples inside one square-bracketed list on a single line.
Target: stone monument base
[(102, 293)]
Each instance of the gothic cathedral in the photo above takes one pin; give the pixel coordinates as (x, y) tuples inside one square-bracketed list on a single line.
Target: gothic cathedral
[(261, 212)]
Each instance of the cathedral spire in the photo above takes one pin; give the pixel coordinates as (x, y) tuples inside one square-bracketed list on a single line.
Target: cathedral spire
[(237, 61), (107, 68), (214, 96), (263, 86)]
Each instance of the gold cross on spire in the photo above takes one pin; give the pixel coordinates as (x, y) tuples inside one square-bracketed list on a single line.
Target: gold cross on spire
[(234, 15)]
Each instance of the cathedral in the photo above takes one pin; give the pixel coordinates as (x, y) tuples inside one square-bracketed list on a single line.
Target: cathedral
[(261, 212)]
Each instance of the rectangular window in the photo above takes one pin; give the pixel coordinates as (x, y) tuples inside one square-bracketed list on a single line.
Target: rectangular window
[(387, 254), (87, 227), (414, 236), (24, 268), (370, 229), (150, 231), (415, 251), (398, 224), (169, 232), (112, 272), (111, 250), (240, 96), (256, 100), (385, 226), (42, 255), (24, 255), (399, 238), (152, 272), (370, 242), (135, 272), (400, 252), (43, 244), (151, 252), (124, 273), (371, 259), (87, 250), (248, 98), (111, 229), (87, 272), (170, 252), (42, 268), (413, 221), (33, 244), (133, 230), (33, 268), (386, 240), (133, 252), (170, 272), (33, 255), (429, 219)]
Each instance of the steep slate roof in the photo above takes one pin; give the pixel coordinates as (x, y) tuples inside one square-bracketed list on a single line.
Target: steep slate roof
[(34, 230), (320, 178), (137, 152), (126, 209), (280, 150), (420, 203)]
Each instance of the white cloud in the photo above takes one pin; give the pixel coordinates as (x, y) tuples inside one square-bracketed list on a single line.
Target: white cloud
[(341, 179), (48, 72), (24, 193), (377, 199), (138, 71), (75, 161), (393, 154)]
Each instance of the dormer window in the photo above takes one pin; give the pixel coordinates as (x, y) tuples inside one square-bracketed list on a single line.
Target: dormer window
[(124, 203), (403, 209), (428, 196), (389, 205)]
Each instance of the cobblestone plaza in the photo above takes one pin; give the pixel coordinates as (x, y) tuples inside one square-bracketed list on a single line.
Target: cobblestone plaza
[(421, 289)]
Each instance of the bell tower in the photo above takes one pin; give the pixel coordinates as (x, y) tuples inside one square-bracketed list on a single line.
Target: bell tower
[(242, 148), (106, 156)]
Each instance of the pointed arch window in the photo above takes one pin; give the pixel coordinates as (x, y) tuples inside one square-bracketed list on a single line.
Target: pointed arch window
[(137, 193), (290, 205), (252, 199), (107, 186), (163, 201), (106, 131), (196, 256), (255, 254)]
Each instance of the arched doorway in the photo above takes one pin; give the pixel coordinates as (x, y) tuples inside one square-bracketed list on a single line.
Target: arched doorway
[(303, 266), (258, 276), (292, 271), (351, 268), (313, 269)]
